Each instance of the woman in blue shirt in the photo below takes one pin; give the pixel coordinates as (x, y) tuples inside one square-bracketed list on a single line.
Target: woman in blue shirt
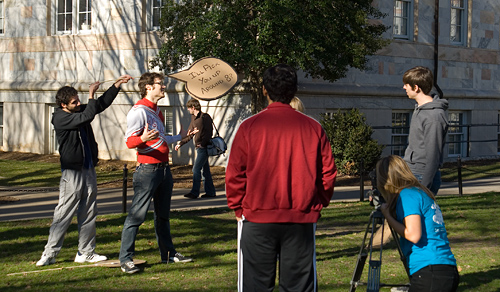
[(411, 210)]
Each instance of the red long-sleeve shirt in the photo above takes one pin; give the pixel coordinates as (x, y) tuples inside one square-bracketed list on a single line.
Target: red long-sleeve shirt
[(281, 167)]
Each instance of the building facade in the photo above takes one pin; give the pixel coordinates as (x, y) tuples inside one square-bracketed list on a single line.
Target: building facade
[(47, 44)]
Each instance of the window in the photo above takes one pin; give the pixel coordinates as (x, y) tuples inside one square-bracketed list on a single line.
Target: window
[(458, 19), (457, 144), (402, 19), (54, 145), (168, 114), (498, 133), (2, 17), (400, 131), (85, 15), (156, 13), (73, 16), (1, 124)]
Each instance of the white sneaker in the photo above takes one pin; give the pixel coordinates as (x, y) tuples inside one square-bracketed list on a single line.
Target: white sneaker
[(45, 261), (89, 258)]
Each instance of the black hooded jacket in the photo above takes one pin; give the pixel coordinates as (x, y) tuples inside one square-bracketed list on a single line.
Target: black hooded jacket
[(67, 127)]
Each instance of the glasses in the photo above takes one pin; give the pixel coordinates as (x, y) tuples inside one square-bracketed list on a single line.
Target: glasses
[(159, 83)]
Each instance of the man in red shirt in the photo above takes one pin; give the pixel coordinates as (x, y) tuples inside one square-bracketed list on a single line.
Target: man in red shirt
[(280, 174), (152, 177)]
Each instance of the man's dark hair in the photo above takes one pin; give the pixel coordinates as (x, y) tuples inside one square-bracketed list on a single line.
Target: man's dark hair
[(280, 82), (148, 78), (64, 95), (194, 103), (421, 76)]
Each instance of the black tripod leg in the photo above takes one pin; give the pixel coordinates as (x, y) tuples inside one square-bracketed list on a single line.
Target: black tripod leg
[(363, 254)]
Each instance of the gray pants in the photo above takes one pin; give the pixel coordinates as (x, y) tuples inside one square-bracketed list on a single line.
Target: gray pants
[(77, 193)]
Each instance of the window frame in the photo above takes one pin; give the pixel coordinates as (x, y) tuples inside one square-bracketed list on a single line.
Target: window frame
[(457, 128), (76, 12), (460, 27), (1, 125), (2, 17), (404, 132), (153, 9), (498, 133), (168, 115), (53, 143), (408, 20)]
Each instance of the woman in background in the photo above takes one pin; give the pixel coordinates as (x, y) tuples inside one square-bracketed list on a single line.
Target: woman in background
[(297, 104), (411, 210)]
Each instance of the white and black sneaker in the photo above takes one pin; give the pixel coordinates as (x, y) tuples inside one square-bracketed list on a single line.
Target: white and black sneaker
[(129, 268), (89, 258), (45, 261), (179, 258)]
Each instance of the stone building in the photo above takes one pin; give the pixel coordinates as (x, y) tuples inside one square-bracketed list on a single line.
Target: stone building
[(47, 44)]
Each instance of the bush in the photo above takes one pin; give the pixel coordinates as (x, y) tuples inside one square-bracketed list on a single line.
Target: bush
[(351, 141)]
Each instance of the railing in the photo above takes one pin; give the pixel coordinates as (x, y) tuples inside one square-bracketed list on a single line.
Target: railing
[(467, 135)]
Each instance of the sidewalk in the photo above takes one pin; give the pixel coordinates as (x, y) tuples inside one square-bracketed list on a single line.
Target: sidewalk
[(36, 204)]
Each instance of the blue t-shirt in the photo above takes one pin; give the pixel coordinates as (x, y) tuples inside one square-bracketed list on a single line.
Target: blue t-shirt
[(433, 248)]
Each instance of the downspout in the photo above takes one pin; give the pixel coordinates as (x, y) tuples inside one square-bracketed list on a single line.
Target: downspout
[(436, 47)]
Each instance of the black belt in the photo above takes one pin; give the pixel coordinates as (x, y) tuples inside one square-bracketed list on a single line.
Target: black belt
[(158, 165)]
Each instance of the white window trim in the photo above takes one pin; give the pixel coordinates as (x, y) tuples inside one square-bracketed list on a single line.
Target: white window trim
[(53, 143), (151, 14), (75, 29), (409, 22), (462, 133), (463, 24), (2, 17), (408, 113), (1, 125)]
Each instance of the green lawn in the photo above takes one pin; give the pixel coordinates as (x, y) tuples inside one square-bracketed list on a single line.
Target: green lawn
[(209, 236)]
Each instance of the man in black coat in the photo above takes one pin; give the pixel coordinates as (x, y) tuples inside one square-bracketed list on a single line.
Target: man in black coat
[(78, 155)]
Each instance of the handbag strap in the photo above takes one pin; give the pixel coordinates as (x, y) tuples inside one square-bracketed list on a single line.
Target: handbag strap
[(217, 131)]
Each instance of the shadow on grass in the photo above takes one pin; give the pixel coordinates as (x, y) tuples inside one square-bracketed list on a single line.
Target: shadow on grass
[(473, 281), (209, 236)]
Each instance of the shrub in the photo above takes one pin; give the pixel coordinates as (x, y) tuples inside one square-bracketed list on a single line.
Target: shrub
[(351, 141)]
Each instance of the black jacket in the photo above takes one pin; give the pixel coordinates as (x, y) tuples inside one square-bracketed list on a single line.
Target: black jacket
[(67, 127)]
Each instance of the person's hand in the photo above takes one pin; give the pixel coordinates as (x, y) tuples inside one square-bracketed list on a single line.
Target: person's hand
[(177, 147), (238, 218), (192, 132), (123, 79), (93, 88), (187, 133), (148, 135)]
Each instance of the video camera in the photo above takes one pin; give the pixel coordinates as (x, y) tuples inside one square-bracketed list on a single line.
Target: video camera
[(376, 198)]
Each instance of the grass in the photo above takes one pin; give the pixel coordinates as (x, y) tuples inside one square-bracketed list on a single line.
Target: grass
[(471, 170), (209, 236), (45, 174)]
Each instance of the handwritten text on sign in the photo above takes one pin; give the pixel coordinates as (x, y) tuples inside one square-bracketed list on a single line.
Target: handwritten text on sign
[(208, 78)]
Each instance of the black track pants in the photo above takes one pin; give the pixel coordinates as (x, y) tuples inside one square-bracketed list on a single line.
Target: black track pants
[(291, 244)]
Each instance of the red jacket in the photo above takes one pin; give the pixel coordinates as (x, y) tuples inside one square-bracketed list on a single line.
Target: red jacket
[(280, 168)]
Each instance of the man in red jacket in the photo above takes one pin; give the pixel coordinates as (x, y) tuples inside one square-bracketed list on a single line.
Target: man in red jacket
[(279, 176)]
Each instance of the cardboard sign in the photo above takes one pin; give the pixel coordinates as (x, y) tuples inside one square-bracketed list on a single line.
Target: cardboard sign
[(208, 78)]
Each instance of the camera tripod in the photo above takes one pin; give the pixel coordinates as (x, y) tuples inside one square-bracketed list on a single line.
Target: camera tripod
[(373, 285)]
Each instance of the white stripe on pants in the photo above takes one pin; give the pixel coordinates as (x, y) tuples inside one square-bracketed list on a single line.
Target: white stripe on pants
[(77, 193)]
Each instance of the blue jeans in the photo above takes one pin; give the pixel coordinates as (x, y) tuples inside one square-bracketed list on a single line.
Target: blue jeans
[(201, 163), (153, 182), (436, 182)]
